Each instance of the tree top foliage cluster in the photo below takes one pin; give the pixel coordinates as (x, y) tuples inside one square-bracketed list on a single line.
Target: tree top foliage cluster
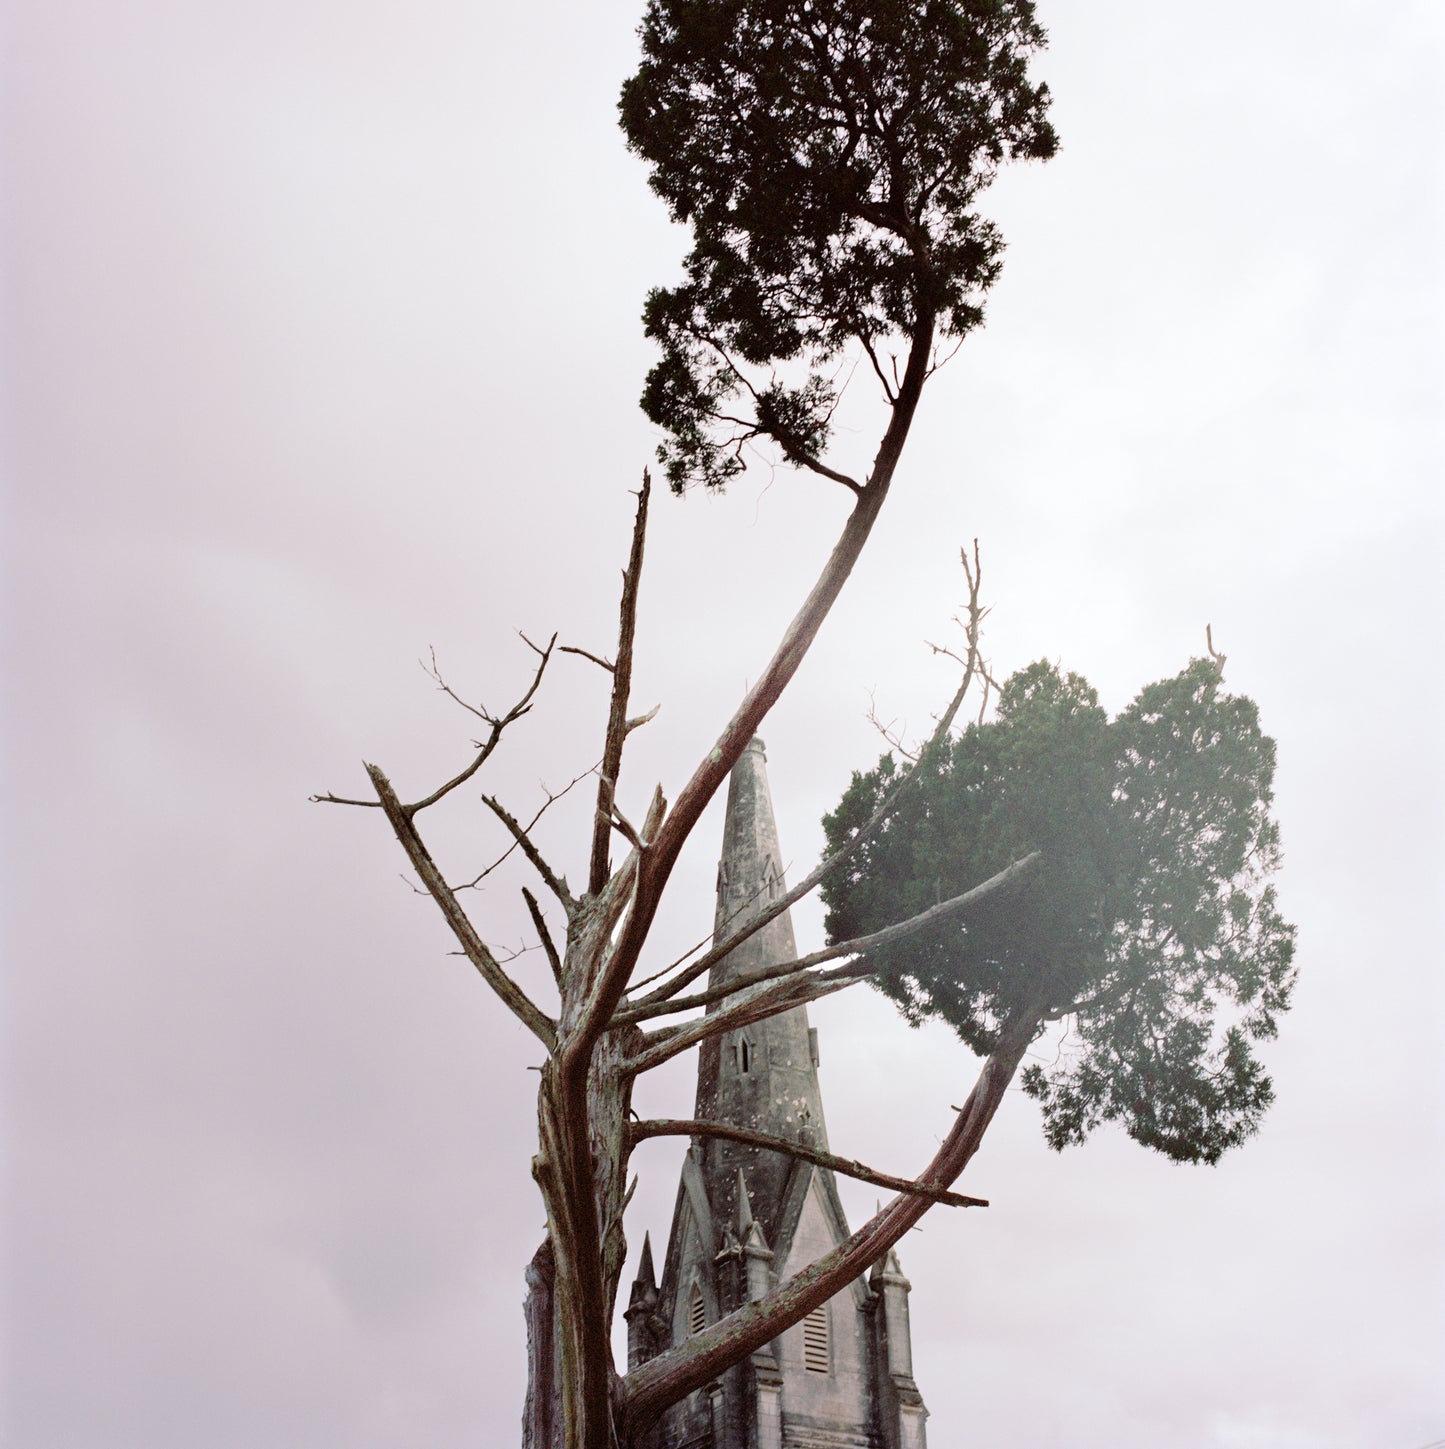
[(1149, 923), (827, 155)]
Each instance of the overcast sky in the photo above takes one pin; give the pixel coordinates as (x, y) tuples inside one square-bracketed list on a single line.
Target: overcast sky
[(320, 348)]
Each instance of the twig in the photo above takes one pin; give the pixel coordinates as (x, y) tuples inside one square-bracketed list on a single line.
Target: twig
[(498, 724), (596, 659), (542, 810), (436, 674)]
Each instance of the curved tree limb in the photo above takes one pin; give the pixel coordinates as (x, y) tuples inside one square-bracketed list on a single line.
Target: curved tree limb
[(844, 1166)]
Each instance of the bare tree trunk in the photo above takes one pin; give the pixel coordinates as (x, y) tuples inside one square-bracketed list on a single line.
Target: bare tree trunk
[(542, 1415), (587, 1247)]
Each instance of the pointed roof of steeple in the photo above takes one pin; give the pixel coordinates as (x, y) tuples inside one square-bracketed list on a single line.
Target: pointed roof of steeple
[(644, 1286), (762, 1076)]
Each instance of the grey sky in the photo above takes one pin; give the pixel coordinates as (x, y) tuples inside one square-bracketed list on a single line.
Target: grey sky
[(320, 347)]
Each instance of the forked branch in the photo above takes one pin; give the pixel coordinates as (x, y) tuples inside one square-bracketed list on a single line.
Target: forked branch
[(496, 723)]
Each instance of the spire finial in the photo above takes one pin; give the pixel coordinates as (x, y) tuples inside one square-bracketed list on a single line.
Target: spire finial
[(646, 1274)]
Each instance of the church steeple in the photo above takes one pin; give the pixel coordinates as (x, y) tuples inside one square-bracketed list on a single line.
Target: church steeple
[(763, 1076), (748, 1217)]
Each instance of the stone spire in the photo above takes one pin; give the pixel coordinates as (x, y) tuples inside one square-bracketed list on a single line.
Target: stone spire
[(644, 1330), (748, 1217), (763, 1076)]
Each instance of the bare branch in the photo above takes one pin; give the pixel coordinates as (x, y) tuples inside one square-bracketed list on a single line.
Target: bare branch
[(498, 724), (768, 1000), (555, 883), (617, 730), (526, 1011), (1214, 654), (551, 800), (940, 361), (623, 827), (596, 659), (504, 957), (638, 720), (548, 945), (330, 799), (844, 1166), (796, 455), (893, 741), (435, 672), (877, 368)]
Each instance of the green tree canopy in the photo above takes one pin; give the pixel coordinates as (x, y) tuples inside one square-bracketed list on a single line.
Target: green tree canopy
[(827, 155), (1149, 921)]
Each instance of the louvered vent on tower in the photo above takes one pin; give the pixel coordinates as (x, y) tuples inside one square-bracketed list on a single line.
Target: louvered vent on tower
[(696, 1312), (815, 1341)]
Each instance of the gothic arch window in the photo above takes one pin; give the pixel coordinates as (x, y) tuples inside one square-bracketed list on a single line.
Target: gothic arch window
[(772, 879), (696, 1312), (747, 1054), (817, 1348)]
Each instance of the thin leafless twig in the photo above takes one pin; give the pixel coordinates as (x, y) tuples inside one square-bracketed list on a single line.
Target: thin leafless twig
[(546, 805), (595, 658)]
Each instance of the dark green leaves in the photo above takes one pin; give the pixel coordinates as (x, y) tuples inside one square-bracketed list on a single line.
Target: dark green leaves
[(827, 155), (1150, 925)]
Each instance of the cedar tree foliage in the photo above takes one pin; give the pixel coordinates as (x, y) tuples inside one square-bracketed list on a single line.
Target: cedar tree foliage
[(827, 155), (1149, 922)]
